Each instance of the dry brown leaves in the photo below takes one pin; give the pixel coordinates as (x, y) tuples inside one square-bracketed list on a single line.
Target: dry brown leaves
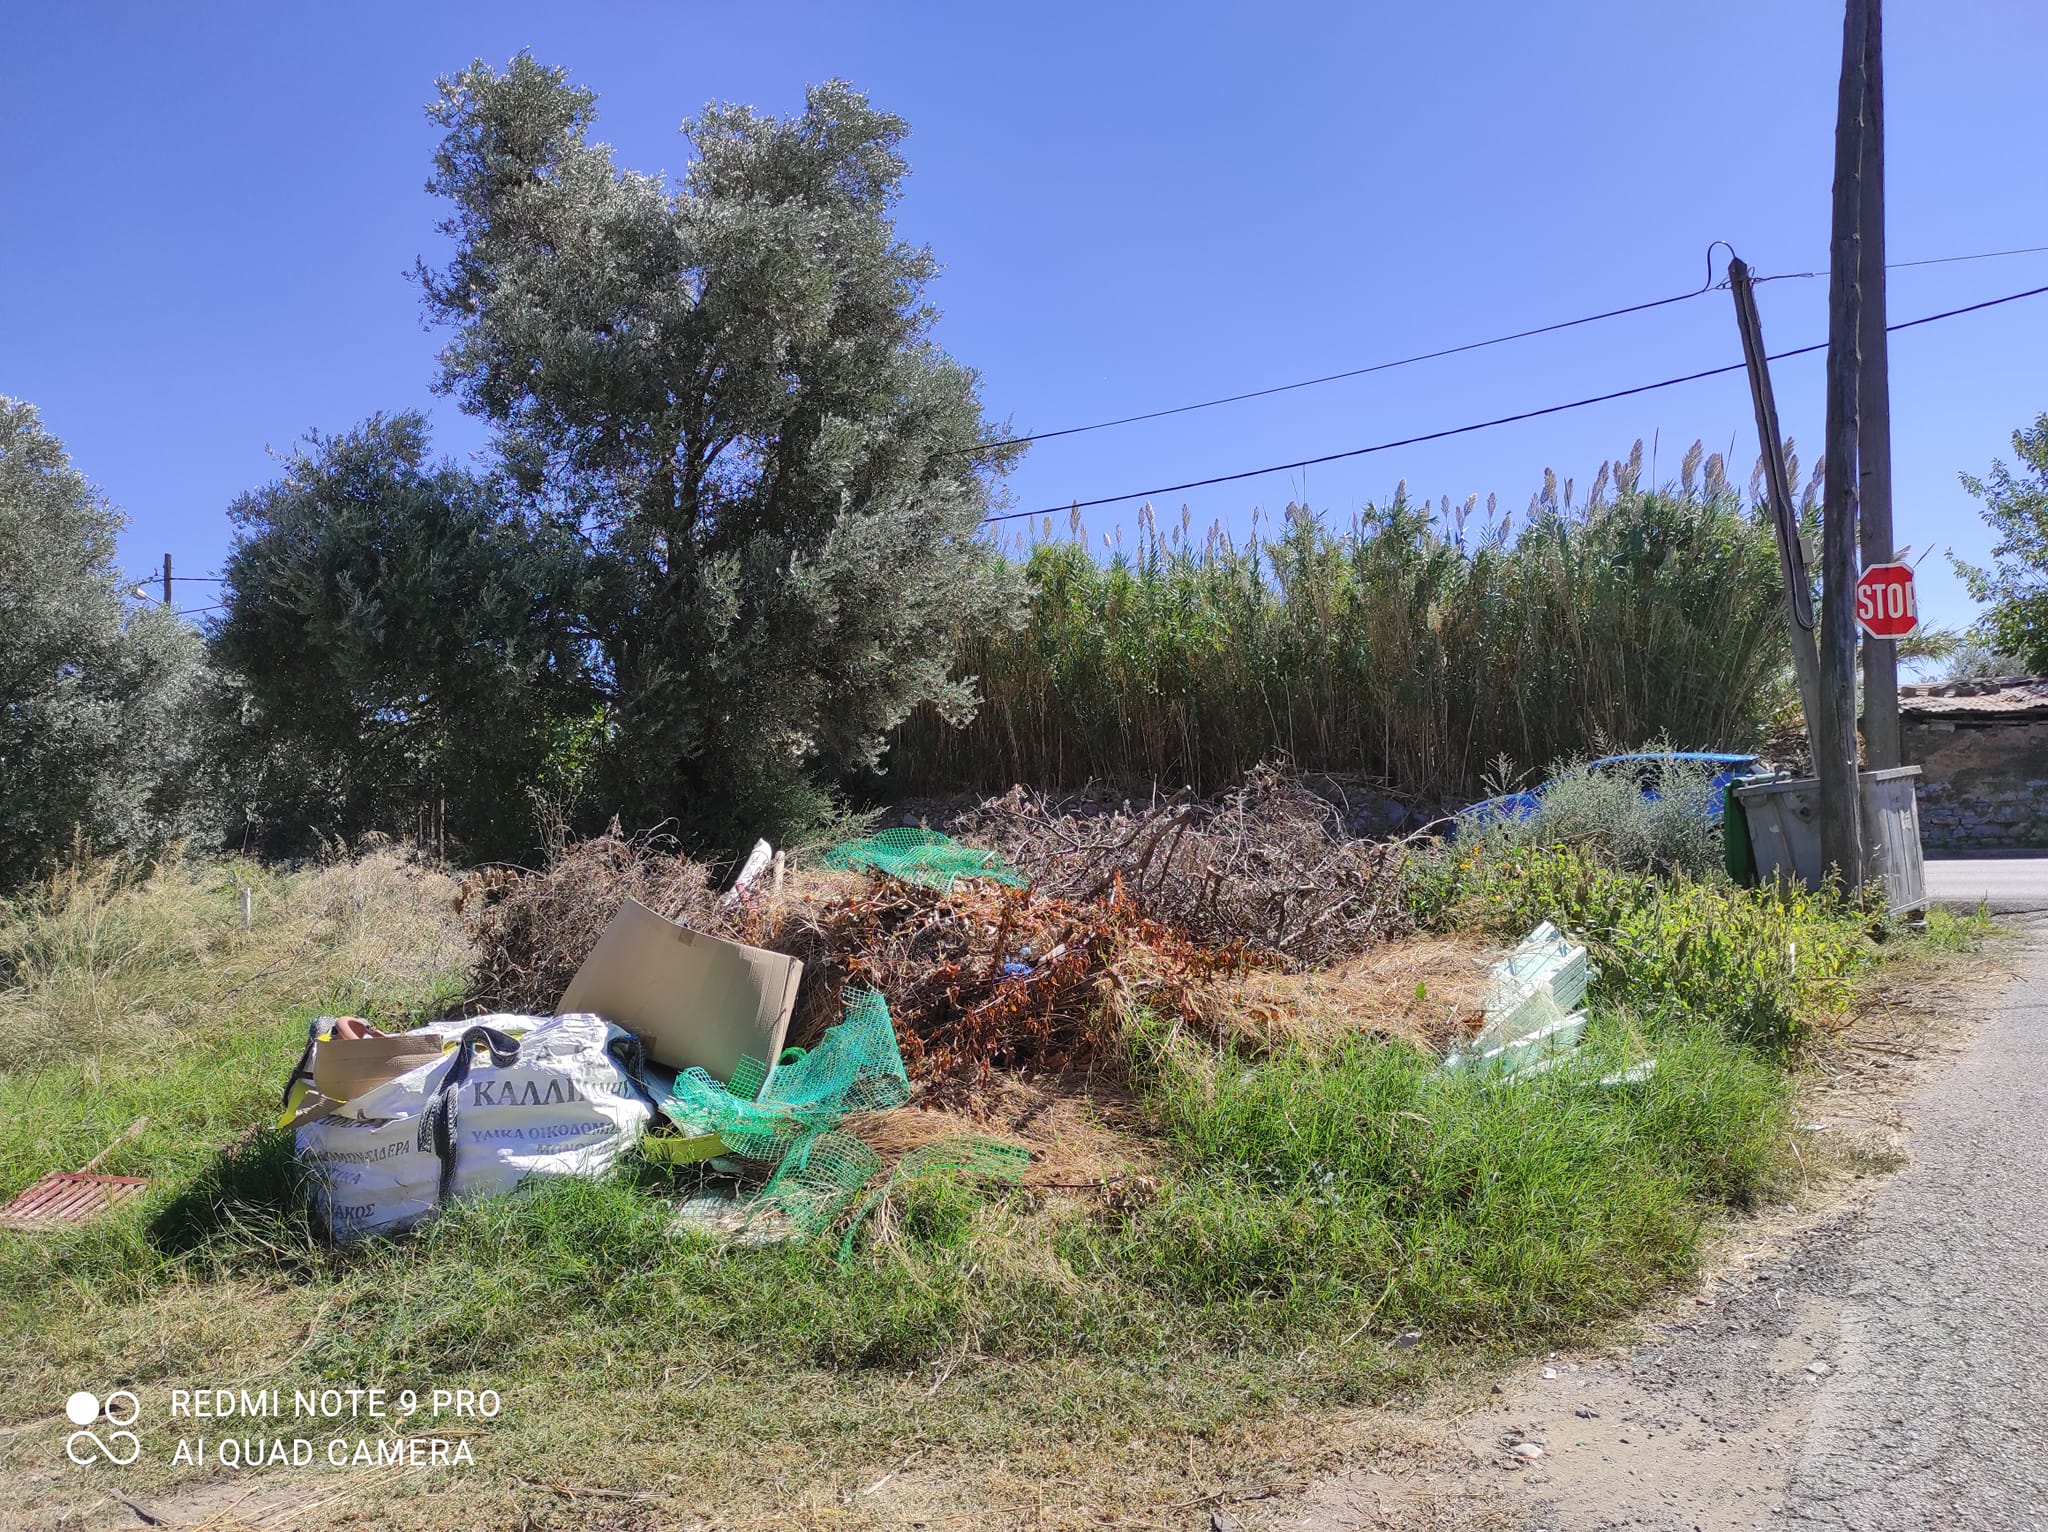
[(988, 979)]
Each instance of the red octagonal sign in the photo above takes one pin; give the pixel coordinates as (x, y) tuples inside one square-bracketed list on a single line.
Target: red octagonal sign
[(1884, 601)]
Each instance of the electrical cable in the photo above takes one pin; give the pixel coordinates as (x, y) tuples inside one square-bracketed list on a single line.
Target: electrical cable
[(1477, 345), (1355, 372), (1483, 425)]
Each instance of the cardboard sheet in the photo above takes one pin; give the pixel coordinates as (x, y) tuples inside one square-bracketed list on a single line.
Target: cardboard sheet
[(696, 1000), (345, 1068)]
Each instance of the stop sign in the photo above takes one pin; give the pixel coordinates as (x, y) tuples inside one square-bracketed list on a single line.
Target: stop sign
[(1884, 601)]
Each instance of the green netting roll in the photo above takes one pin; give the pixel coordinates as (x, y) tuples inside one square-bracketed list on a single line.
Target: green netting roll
[(921, 856)]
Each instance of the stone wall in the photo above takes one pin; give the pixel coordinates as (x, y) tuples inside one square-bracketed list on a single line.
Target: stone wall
[(1983, 782)]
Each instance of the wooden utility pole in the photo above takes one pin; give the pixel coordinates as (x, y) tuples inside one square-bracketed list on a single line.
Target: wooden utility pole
[(167, 579), (1791, 551), (1835, 763), (1874, 410)]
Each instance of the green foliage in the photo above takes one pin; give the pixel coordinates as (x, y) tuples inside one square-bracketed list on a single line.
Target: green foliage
[(2016, 509), (729, 389), (1763, 964), (1638, 816), (99, 706), (1373, 1183), (1412, 646), (409, 650), (1947, 931)]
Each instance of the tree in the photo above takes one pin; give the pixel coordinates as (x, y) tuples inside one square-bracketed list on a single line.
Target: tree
[(407, 645), (99, 704), (731, 391), (2016, 509)]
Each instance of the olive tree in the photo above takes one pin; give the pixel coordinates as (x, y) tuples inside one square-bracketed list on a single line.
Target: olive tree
[(99, 701), (2016, 585), (729, 389)]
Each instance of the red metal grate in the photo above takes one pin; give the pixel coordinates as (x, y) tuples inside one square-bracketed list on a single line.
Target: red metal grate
[(68, 1197)]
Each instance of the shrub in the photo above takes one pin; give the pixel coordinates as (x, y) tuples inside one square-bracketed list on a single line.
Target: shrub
[(406, 644), (1764, 964), (1648, 816)]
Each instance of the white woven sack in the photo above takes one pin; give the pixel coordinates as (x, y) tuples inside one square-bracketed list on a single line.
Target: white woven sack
[(519, 1096)]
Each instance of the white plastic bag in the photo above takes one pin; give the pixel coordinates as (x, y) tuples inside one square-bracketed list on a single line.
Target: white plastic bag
[(517, 1096)]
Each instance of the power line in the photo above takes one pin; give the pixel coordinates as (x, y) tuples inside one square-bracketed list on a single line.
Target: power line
[(1477, 345), (1932, 260), (1355, 372), (1483, 425), (1981, 255)]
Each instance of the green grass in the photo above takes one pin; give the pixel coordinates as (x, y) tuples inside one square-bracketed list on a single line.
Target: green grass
[(1311, 1206), (1371, 1188), (129, 995), (1946, 931)]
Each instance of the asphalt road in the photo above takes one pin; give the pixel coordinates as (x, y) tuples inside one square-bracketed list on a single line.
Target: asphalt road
[(1936, 1414), (2010, 885)]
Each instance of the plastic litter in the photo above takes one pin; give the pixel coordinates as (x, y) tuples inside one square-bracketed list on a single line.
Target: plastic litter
[(789, 1118), (515, 1098), (921, 856), (1533, 1020), (977, 1159)]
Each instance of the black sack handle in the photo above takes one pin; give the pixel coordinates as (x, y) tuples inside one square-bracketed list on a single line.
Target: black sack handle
[(437, 1126), (630, 1054)]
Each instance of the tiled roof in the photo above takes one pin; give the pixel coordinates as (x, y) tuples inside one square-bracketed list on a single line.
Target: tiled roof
[(1993, 697)]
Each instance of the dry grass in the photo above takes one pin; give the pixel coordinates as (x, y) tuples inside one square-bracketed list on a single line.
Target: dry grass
[(104, 957), (1082, 1133), (128, 994), (1427, 991)]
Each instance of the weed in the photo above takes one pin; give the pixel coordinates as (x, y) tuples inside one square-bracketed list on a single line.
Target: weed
[(1374, 1184), (1654, 816), (1764, 964), (1947, 931)]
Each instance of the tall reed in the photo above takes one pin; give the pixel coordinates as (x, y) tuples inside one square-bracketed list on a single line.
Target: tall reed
[(1417, 645)]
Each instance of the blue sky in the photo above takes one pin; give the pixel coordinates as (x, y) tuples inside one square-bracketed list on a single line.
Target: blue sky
[(210, 214)]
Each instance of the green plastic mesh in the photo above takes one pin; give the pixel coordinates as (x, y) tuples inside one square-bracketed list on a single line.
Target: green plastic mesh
[(789, 1117), (817, 1178), (921, 856), (856, 1067), (748, 1076)]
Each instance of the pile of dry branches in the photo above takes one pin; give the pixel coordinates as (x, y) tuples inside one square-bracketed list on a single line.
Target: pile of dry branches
[(534, 929), (1127, 907), (987, 978), (1267, 868)]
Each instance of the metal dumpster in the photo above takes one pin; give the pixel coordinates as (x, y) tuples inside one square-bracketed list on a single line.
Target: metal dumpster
[(1784, 832)]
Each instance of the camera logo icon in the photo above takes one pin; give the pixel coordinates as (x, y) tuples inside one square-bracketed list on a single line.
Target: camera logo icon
[(119, 1447)]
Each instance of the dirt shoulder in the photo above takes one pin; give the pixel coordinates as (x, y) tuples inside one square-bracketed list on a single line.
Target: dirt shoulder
[(1697, 1421)]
